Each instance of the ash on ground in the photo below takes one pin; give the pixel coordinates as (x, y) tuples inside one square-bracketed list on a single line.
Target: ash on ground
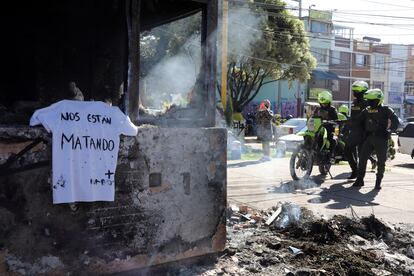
[(289, 240)]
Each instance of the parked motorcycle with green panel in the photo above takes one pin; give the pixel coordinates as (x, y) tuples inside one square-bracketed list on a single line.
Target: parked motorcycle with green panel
[(316, 150)]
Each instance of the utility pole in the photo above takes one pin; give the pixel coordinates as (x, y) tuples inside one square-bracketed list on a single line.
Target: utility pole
[(224, 38), (298, 97), (300, 8)]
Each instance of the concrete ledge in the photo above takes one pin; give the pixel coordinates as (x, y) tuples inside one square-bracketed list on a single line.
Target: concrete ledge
[(170, 204)]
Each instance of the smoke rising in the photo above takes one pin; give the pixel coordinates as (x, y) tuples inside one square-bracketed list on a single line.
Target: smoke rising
[(244, 30), (170, 81), (174, 76)]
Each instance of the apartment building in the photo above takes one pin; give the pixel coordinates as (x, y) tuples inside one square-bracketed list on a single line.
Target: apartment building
[(340, 62), (409, 83), (396, 75), (361, 60), (380, 60), (320, 32)]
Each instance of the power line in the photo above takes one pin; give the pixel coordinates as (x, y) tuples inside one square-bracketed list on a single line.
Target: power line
[(309, 36), (377, 15), (347, 62), (301, 66), (362, 22), (284, 7), (386, 4), (390, 25), (341, 21)]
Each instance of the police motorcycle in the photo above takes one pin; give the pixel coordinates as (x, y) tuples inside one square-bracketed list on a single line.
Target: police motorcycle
[(316, 150)]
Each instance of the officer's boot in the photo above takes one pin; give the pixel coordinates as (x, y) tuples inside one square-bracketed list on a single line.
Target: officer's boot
[(359, 182), (353, 175), (378, 183)]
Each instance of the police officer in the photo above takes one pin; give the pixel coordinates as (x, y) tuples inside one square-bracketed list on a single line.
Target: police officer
[(356, 130), (375, 119), (343, 113), (327, 112)]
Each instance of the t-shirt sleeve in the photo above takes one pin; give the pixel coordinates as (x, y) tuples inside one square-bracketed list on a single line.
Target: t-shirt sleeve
[(47, 116), (125, 126)]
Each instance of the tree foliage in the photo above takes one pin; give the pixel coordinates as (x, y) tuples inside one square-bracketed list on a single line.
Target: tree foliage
[(282, 53)]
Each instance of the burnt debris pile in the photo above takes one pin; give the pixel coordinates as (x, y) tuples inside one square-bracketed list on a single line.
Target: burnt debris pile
[(290, 240)]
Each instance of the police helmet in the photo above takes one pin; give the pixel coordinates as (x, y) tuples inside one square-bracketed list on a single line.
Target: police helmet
[(343, 109), (374, 94), (324, 97), (360, 86)]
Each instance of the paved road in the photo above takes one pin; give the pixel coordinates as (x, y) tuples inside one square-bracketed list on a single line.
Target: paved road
[(263, 184)]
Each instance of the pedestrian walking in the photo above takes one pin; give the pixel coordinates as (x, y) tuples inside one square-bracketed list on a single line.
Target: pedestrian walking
[(264, 118)]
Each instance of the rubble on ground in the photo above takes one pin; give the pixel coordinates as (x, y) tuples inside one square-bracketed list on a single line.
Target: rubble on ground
[(290, 240)]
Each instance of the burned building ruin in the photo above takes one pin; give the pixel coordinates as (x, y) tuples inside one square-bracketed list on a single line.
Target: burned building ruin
[(170, 194)]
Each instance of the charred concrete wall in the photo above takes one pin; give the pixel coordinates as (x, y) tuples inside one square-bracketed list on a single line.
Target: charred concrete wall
[(169, 204)]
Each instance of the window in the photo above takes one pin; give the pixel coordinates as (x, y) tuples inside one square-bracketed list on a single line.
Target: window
[(397, 68), (361, 60), (170, 66), (379, 64), (378, 84), (401, 68), (342, 32), (335, 57), (320, 54), (335, 85), (319, 27), (409, 88), (396, 87)]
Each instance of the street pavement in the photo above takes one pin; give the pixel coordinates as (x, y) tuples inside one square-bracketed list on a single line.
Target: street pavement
[(262, 184)]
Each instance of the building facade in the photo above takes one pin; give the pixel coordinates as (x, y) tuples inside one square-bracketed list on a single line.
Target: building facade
[(340, 62), (396, 76), (409, 83), (380, 59)]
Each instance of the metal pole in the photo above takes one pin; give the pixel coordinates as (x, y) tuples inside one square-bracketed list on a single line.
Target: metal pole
[(350, 76), (300, 8), (298, 101), (224, 54), (279, 96)]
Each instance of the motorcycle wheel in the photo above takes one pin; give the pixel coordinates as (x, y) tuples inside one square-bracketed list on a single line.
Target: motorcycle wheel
[(301, 163)]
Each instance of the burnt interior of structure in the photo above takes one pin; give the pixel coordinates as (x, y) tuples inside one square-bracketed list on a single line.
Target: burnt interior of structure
[(48, 44)]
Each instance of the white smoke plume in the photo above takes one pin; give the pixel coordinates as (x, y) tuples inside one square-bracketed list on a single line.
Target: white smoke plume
[(244, 30), (174, 76)]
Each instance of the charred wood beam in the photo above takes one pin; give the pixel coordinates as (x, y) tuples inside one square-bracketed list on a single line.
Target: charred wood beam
[(8, 171), (15, 157), (210, 19), (133, 8)]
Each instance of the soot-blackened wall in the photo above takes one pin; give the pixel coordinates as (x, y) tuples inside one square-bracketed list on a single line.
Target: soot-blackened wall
[(169, 204)]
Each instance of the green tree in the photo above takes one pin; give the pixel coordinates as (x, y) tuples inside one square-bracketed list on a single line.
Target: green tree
[(281, 53)]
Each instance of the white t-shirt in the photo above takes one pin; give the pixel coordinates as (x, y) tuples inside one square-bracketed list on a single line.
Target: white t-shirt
[(85, 148)]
